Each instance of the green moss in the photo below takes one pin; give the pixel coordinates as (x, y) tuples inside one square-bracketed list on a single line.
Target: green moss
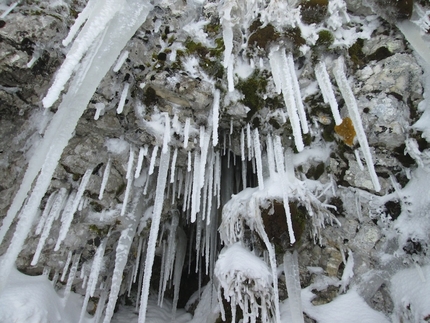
[(295, 36), (253, 88), (101, 232), (325, 39), (313, 11), (261, 37), (356, 54), (96, 206), (276, 226), (380, 54)]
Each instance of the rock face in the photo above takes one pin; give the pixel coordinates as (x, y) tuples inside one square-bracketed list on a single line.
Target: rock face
[(175, 68)]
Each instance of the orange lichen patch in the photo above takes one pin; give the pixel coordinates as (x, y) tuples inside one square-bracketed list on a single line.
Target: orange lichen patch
[(346, 131)]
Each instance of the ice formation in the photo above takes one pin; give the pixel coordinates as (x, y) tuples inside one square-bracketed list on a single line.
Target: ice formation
[(230, 170)]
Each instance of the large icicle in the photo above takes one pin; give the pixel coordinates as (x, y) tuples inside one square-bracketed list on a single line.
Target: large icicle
[(292, 279), (166, 135), (131, 220), (153, 234), (95, 26), (94, 275), (351, 104), (327, 90), (283, 80), (44, 161), (68, 217)]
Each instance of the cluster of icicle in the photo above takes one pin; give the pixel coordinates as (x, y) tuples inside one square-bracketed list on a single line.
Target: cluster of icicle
[(109, 25)]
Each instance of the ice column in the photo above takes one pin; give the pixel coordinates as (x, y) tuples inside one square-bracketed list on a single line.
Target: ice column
[(292, 278)]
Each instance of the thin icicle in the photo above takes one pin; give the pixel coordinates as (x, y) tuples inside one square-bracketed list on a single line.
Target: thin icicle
[(121, 60), (279, 158), (186, 132), (351, 104), (53, 215), (215, 118), (130, 163), (156, 218), (217, 182), (249, 141), (357, 157), (173, 166), (124, 94), (297, 95), (195, 202), (46, 212), (67, 219), (79, 21), (94, 275), (139, 163), (166, 135), (210, 187), (153, 159), (270, 156), (186, 191), (257, 151), (9, 10), (137, 262), (327, 90), (242, 144), (66, 265), (244, 174), (105, 179), (283, 80), (189, 162), (126, 195), (71, 277)]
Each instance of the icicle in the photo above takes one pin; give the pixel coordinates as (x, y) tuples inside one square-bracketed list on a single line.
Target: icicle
[(100, 108), (124, 94), (55, 277), (215, 118), (139, 163), (327, 90), (249, 141), (137, 263), (217, 182), (130, 221), (257, 151), (357, 157), (270, 156), (153, 158), (205, 139), (210, 187), (198, 242), (87, 75), (9, 10), (130, 163), (227, 34), (297, 95), (283, 80), (106, 174), (173, 166), (186, 132), (292, 279), (279, 157), (94, 275), (166, 136), (100, 304), (186, 191), (351, 104), (121, 60), (180, 184), (53, 215), (71, 277), (79, 21), (46, 212), (244, 175), (67, 219), (66, 266), (195, 202), (189, 162), (162, 273), (179, 264), (156, 217)]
